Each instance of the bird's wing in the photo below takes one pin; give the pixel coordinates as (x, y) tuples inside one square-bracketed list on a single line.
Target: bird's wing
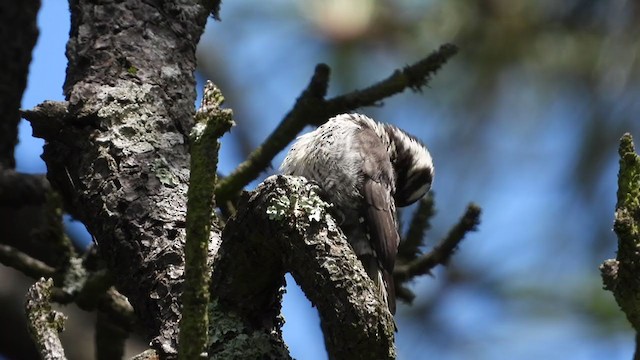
[(380, 218), (381, 222), (377, 193)]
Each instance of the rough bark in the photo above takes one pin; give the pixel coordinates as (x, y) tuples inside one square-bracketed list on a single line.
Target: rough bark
[(18, 190), (45, 323), (18, 35), (117, 152), (21, 196), (117, 149), (211, 123), (620, 275), (283, 226)]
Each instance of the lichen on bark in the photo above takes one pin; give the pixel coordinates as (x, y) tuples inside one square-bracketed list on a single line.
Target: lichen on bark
[(620, 275)]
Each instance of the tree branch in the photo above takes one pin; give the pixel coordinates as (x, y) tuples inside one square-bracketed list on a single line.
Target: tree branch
[(18, 19), (283, 226), (312, 97), (410, 246), (312, 108), (409, 249), (17, 190), (149, 354), (24, 263), (443, 251), (44, 323), (414, 77), (117, 151), (95, 291), (211, 123), (47, 246), (620, 275), (88, 289)]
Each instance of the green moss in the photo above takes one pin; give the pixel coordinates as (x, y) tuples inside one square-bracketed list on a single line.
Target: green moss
[(628, 205), (621, 276), (211, 123), (629, 175)]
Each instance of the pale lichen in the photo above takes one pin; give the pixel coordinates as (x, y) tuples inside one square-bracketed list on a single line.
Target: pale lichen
[(302, 201)]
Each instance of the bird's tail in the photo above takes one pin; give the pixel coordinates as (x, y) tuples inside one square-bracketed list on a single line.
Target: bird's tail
[(383, 280)]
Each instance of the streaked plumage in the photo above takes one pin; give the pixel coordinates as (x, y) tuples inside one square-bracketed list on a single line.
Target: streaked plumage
[(365, 169)]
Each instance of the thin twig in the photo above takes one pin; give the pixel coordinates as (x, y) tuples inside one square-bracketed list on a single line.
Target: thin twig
[(414, 77), (311, 98), (93, 291), (443, 251), (312, 109), (410, 246), (88, 297), (24, 263), (211, 123), (44, 323)]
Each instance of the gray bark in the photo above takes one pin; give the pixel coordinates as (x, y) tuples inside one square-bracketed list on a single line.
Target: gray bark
[(281, 227), (117, 152), (18, 35), (117, 149)]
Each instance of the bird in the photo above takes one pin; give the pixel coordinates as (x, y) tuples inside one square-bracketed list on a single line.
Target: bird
[(366, 169)]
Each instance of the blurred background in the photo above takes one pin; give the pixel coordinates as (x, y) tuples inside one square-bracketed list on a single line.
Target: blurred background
[(524, 121)]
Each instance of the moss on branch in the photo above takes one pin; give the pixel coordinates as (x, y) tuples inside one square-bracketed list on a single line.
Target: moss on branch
[(211, 123)]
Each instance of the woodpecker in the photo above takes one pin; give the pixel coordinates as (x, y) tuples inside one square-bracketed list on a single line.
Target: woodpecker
[(365, 169)]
